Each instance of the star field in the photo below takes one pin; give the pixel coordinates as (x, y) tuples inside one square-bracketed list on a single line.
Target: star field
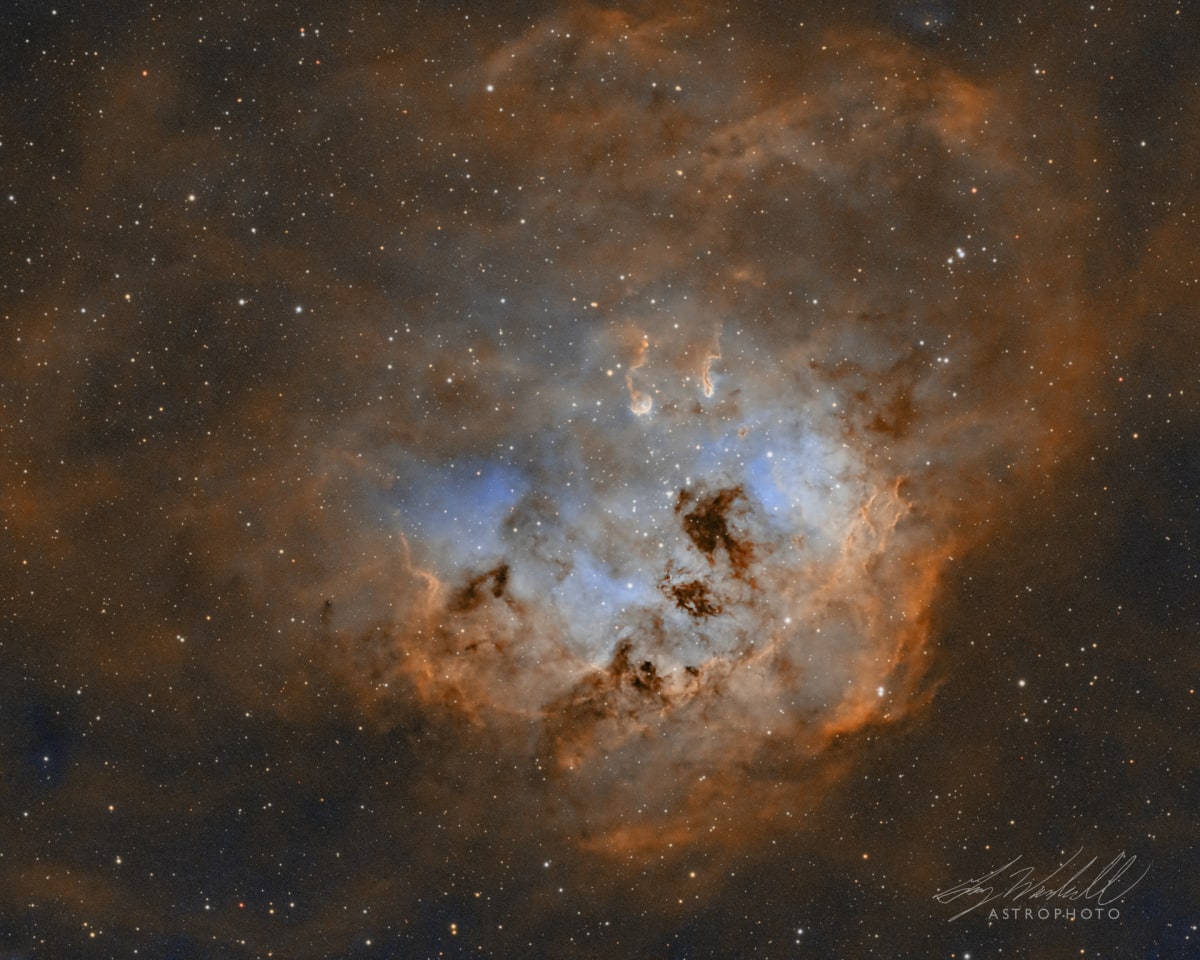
[(562, 480)]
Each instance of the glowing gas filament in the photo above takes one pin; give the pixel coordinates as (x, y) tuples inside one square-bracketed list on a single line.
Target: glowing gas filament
[(640, 402), (706, 369)]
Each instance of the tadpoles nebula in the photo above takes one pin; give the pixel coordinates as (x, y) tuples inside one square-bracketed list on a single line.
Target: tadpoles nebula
[(742, 356), (479, 480)]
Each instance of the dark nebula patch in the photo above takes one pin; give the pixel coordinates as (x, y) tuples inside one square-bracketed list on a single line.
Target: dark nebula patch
[(646, 677), (895, 418), (695, 596), (709, 522), (477, 589)]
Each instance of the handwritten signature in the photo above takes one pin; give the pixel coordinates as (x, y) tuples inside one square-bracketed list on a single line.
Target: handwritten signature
[(1011, 883)]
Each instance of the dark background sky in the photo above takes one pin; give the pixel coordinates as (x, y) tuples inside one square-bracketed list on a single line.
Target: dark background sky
[(340, 344)]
